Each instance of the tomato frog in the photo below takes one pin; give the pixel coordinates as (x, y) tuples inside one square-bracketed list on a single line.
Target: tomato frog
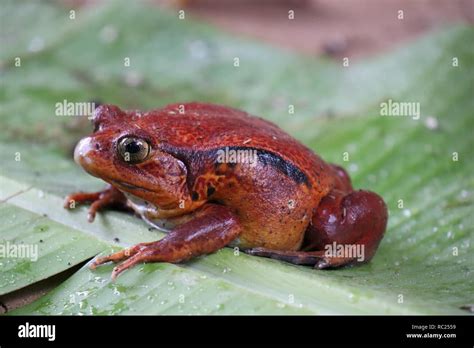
[(222, 177)]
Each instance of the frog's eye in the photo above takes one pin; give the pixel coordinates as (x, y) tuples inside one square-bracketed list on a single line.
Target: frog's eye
[(133, 150)]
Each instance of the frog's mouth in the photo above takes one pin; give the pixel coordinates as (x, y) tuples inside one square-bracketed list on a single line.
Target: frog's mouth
[(128, 186)]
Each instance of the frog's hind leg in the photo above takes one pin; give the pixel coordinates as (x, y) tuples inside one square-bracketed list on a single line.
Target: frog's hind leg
[(212, 228), (345, 229)]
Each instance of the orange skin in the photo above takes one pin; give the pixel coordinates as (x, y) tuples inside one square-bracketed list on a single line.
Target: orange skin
[(282, 201)]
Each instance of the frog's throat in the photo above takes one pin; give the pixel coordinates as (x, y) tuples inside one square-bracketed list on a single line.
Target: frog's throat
[(141, 207)]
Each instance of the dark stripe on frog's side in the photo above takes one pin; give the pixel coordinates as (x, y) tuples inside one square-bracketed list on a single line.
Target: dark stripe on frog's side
[(269, 158), (265, 157), (287, 168)]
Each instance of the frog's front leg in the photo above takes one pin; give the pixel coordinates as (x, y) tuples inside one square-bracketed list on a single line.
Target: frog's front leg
[(109, 197), (212, 228), (345, 229)]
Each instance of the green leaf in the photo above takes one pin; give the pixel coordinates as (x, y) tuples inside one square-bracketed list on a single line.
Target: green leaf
[(426, 257), (26, 235)]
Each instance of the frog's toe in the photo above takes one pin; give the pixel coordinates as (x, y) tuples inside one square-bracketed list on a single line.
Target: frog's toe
[(101, 260), (322, 264), (139, 257), (91, 215), (118, 256), (75, 198), (335, 262)]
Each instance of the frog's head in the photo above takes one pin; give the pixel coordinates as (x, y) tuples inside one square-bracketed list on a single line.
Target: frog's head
[(124, 151)]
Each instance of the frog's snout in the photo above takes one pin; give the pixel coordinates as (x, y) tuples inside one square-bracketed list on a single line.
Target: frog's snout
[(82, 152), (91, 155)]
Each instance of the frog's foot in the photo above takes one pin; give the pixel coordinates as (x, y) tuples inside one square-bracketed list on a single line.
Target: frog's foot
[(318, 259), (120, 255), (213, 227), (109, 197), (296, 257)]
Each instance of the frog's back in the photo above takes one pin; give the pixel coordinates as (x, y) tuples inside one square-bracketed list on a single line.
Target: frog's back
[(203, 127)]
